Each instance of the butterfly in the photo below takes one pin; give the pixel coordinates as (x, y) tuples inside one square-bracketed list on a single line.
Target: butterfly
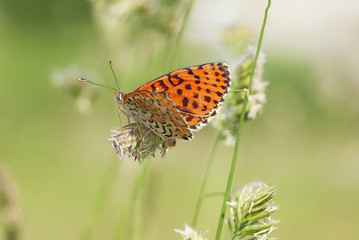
[(178, 103)]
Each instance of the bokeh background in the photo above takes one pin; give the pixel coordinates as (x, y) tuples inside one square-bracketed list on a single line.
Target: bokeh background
[(61, 169)]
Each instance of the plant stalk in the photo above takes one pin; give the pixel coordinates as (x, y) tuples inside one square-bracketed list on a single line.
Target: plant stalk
[(239, 132), (205, 181)]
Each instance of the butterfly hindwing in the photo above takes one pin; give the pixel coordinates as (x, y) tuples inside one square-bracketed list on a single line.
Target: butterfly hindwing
[(158, 113)]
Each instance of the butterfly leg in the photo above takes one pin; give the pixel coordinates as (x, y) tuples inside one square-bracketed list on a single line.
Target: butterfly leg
[(119, 110), (139, 130)]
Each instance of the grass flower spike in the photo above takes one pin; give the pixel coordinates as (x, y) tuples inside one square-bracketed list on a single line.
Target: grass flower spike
[(190, 234), (229, 116), (129, 144), (257, 97), (251, 211)]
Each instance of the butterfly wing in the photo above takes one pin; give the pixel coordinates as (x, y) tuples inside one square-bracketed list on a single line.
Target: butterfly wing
[(158, 113), (197, 91)]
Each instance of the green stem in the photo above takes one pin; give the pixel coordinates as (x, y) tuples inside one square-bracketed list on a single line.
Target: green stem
[(142, 199), (101, 196), (128, 209), (241, 120), (173, 48), (213, 194), (205, 181), (184, 23)]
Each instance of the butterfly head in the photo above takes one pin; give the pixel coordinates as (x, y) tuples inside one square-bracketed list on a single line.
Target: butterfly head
[(118, 96)]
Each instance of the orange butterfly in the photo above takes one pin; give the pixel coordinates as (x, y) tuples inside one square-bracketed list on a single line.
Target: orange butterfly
[(179, 102)]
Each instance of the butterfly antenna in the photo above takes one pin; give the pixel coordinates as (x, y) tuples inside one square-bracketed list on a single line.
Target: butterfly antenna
[(114, 75), (85, 80)]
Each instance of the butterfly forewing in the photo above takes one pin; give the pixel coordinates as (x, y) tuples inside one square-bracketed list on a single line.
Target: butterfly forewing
[(157, 112), (196, 91)]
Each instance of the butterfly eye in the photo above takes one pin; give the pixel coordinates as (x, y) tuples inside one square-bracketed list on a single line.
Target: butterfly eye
[(118, 96)]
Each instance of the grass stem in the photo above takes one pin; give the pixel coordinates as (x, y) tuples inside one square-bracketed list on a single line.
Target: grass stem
[(239, 132), (124, 223), (205, 181), (101, 196)]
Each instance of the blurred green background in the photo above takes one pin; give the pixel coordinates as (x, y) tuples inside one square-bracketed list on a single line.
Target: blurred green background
[(54, 130)]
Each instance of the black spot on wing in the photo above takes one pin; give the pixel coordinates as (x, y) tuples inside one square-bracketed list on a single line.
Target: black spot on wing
[(185, 102)]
